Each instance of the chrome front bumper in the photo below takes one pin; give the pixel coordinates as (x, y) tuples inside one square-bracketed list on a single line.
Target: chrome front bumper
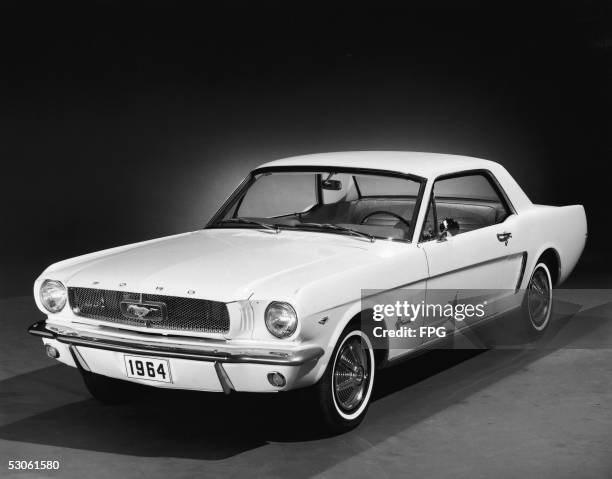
[(199, 352), (246, 365)]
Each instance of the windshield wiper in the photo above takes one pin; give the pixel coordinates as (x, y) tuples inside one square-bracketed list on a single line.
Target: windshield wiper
[(248, 221), (340, 228)]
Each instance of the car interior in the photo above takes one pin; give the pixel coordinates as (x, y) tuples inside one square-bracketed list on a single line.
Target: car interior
[(391, 217), (383, 217), (468, 201), (468, 214)]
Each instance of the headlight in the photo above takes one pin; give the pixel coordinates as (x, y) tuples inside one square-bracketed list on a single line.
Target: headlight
[(53, 295), (281, 319)]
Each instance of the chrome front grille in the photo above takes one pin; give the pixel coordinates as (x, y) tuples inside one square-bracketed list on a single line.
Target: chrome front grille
[(185, 314)]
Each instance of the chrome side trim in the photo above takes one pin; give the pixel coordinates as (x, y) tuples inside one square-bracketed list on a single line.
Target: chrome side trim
[(257, 356), (481, 263), (522, 272)]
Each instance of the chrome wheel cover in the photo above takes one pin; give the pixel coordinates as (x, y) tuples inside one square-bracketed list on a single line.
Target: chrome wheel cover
[(539, 298), (352, 374)]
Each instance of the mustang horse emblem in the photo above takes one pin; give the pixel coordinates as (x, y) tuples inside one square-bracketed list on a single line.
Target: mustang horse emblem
[(140, 311), (147, 311)]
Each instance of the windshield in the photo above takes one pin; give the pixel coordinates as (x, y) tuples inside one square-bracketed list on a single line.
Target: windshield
[(341, 202)]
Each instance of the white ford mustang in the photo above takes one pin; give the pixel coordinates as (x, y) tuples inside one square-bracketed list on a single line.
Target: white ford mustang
[(269, 295)]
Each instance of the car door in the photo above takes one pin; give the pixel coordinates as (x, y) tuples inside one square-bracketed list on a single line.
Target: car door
[(469, 265)]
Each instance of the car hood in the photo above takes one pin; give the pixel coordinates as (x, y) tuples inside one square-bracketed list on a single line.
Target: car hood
[(219, 264)]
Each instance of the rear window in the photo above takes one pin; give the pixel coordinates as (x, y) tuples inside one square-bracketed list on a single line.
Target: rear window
[(475, 187), (370, 185)]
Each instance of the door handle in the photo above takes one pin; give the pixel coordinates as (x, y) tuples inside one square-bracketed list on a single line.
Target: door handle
[(504, 237)]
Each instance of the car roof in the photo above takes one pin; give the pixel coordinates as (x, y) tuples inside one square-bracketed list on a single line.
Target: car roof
[(426, 165)]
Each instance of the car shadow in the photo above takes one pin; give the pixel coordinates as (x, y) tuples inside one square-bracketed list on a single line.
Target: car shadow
[(51, 407)]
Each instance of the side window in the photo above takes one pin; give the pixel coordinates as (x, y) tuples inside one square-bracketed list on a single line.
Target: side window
[(429, 227), (470, 200)]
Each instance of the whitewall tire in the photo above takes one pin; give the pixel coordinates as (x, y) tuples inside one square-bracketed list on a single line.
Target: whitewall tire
[(538, 301), (345, 390)]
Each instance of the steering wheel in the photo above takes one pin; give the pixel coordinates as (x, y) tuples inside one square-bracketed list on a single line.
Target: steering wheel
[(388, 213)]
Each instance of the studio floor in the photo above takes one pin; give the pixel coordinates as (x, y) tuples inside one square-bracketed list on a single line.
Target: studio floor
[(510, 412)]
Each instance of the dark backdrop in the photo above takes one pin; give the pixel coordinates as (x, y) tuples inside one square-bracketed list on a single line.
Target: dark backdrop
[(119, 126)]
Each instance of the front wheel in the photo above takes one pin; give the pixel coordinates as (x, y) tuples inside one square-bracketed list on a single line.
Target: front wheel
[(345, 389)]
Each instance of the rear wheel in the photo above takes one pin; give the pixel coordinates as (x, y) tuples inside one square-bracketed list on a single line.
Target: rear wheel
[(538, 303), (345, 389), (110, 391)]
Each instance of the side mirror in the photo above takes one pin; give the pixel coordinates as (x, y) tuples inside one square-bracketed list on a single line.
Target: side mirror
[(448, 228)]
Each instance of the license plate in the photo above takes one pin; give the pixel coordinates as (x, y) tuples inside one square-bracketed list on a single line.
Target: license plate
[(147, 368)]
